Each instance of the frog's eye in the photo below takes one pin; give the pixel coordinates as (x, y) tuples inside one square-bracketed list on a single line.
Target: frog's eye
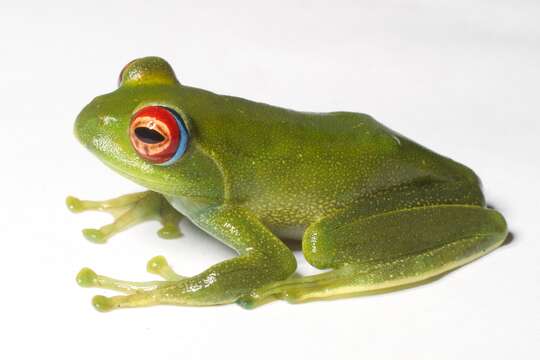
[(158, 134), (121, 75)]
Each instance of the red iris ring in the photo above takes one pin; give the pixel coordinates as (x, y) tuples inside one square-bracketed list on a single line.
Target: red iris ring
[(160, 122)]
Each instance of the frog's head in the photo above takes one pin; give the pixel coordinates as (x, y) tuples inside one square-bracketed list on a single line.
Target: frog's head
[(141, 131)]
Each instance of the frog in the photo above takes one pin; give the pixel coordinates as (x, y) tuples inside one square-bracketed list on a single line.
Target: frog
[(373, 210)]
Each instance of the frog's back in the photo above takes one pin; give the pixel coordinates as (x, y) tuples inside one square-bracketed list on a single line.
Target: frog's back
[(246, 126), (294, 167)]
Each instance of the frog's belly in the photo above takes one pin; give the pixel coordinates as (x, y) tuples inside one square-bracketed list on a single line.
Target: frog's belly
[(288, 232)]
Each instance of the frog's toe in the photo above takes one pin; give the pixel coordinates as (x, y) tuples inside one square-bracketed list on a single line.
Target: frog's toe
[(169, 232), (102, 303), (158, 265), (95, 235), (87, 278), (74, 205), (143, 298), (247, 302), (256, 298)]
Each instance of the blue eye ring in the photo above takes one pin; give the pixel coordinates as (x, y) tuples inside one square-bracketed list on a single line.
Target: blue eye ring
[(184, 137)]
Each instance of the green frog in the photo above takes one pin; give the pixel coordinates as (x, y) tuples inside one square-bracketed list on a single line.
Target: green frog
[(377, 210)]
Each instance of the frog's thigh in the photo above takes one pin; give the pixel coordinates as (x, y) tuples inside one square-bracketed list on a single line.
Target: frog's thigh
[(381, 237), (394, 249)]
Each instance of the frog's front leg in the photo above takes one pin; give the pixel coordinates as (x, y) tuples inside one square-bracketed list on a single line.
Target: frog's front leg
[(387, 251), (262, 259), (129, 210)]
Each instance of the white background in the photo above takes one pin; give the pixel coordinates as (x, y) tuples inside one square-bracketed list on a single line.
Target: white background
[(461, 77)]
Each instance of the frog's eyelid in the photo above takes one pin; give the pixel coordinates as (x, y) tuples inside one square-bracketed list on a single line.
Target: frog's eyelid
[(183, 138), (121, 76)]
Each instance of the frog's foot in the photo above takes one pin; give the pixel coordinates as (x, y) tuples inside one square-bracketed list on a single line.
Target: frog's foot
[(145, 293), (129, 210)]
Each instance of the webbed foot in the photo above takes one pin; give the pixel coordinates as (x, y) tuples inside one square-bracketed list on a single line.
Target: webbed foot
[(129, 210), (147, 292)]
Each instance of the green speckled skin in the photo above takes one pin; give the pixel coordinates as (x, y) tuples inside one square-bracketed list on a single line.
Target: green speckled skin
[(375, 207)]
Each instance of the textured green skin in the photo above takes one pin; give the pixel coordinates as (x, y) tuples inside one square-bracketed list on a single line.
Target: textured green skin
[(253, 170)]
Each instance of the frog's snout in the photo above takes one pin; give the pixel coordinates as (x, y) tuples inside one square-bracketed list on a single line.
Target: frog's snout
[(86, 125)]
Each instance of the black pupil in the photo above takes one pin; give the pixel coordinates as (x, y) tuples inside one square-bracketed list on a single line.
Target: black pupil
[(148, 136)]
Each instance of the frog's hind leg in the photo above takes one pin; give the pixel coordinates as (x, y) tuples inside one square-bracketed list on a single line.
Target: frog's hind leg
[(129, 210), (388, 251)]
